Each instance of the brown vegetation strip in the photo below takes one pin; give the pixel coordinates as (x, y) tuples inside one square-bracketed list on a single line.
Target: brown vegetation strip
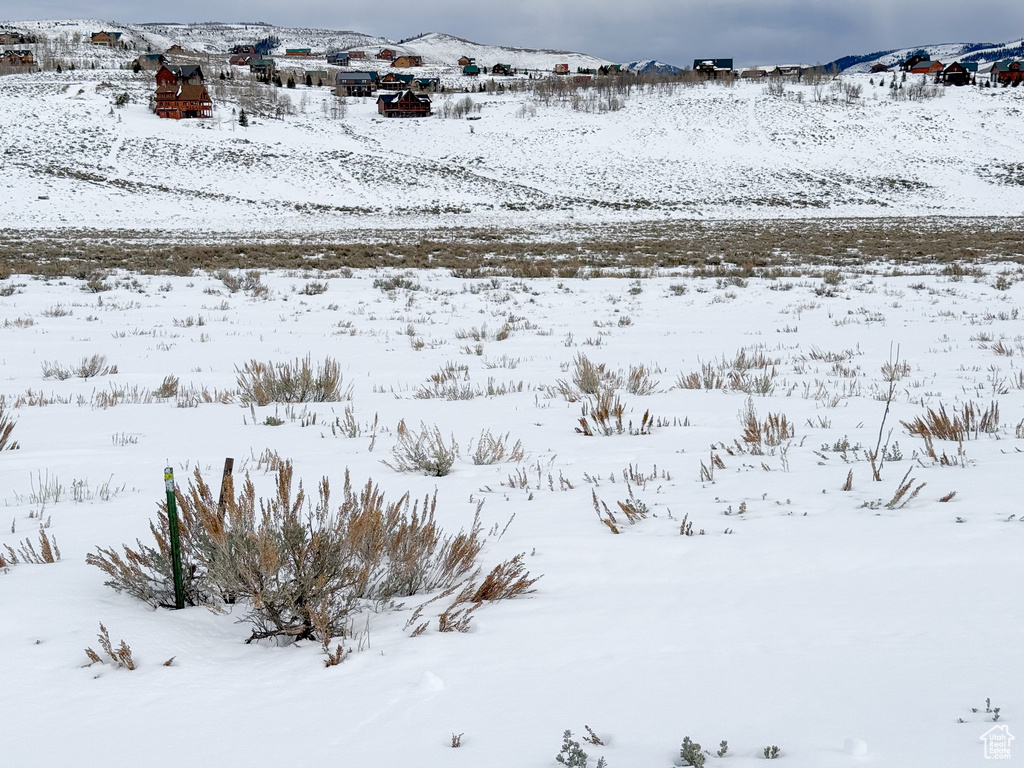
[(752, 247)]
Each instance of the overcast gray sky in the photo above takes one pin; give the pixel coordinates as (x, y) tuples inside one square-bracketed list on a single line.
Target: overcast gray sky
[(673, 31)]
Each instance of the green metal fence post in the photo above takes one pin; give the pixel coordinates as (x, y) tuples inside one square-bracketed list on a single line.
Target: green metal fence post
[(172, 523)]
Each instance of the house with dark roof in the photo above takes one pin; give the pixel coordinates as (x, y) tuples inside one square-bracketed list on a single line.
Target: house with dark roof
[(354, 84), (1007, 71), (338, 58), (150, 62), (394, 82), (958, 73), (470, 70), (913, 61), (192, 74), (713, 68), (386, 54), (927, 67), (179, 101), (17, 59), (501, 69), (12, 38), (403, 104)]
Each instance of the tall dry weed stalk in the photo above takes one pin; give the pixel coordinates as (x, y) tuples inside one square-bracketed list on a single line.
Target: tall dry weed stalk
[(6, 427), (121, 656)]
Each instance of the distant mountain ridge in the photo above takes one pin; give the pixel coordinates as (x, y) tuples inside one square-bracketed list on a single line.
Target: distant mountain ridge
[(947, 53)]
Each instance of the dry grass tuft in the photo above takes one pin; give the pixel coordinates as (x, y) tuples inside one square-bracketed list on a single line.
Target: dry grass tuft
[(120, 656), (904, 495), (95, 365), (603, 414), (490, 449), (424, 452), (298, 382), (967, 424), (6, 427)]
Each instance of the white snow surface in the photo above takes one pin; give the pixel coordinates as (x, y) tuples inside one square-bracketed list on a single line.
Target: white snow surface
[(816, 616), (74, 161)]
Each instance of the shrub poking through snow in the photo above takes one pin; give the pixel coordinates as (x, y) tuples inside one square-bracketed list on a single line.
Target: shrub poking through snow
[(95, 365), (424, 452), (120, 656), (571, 754), (690, 753), (298, 382), (491, 449), (299, 568), (6, 427)]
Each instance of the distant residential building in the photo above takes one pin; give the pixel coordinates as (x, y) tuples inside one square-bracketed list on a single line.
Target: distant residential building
[(713, 68), (175, 49), (242, 49), (315, 76), (1007, 71), (879, 68), (913, 61), (191, 74), (109, 39), (357, 54), (394, 82), (298, 52), (386, 54), (561, 69), (242, 59), (403, 104), (149, 61), (354, 84), (466, 60), (501, 69), (407, 61), (181, 101), (470, 70), (338, 58), (263, 68), (927, 67), (12, 38), (17, 60), (958, 73)]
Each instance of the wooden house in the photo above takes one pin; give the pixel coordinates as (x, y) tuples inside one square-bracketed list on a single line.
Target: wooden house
[(713, 68), (242, 59), (466, 60), (241, 49), (175, 49), (958, 74), (17, 60), (1007, 71), (151, 62), (109, 39), (561, 69), (912, 62), (407, 61), (470, 70), (357, 54), (338, 58), (928, 67), (403, 104), (386, 54), (180, 101), (427, 83), (263, 68), (501, 69), (191, 74), (395, 82), (753, 73), (12, 38), (354, 84), (879, 68)]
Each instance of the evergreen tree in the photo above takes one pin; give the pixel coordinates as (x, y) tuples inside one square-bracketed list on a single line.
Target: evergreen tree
[(243, 119)]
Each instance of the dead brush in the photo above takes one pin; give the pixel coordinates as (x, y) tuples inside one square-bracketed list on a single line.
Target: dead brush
[(772, 432), (505, 581), (639, 382), (94, 365), (708, 377), (298, 382), (48, 552), (966, 424), (121, 656), (451, 382), (425, 451), (299, 568), (491, 450), (603, 415), (904, 495), (6, 427)]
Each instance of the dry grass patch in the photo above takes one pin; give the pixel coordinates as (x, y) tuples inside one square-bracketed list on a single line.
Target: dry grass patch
[(298, 382)]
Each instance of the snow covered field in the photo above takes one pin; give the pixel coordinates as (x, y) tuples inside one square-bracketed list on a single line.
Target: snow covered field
[(73, 161), (804, 615)]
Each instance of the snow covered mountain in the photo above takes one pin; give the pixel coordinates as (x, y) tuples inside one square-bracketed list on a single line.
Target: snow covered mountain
[(945, 52)]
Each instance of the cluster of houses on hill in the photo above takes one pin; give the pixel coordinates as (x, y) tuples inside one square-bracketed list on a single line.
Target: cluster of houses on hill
[(15, 59), (1005, 72)]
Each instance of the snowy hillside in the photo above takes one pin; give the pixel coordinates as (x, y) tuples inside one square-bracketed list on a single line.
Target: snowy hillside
[(947, 53), (689, 152)]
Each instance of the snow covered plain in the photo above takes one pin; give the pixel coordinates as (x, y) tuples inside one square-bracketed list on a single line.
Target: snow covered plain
[(813, 616), (73, 161)]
